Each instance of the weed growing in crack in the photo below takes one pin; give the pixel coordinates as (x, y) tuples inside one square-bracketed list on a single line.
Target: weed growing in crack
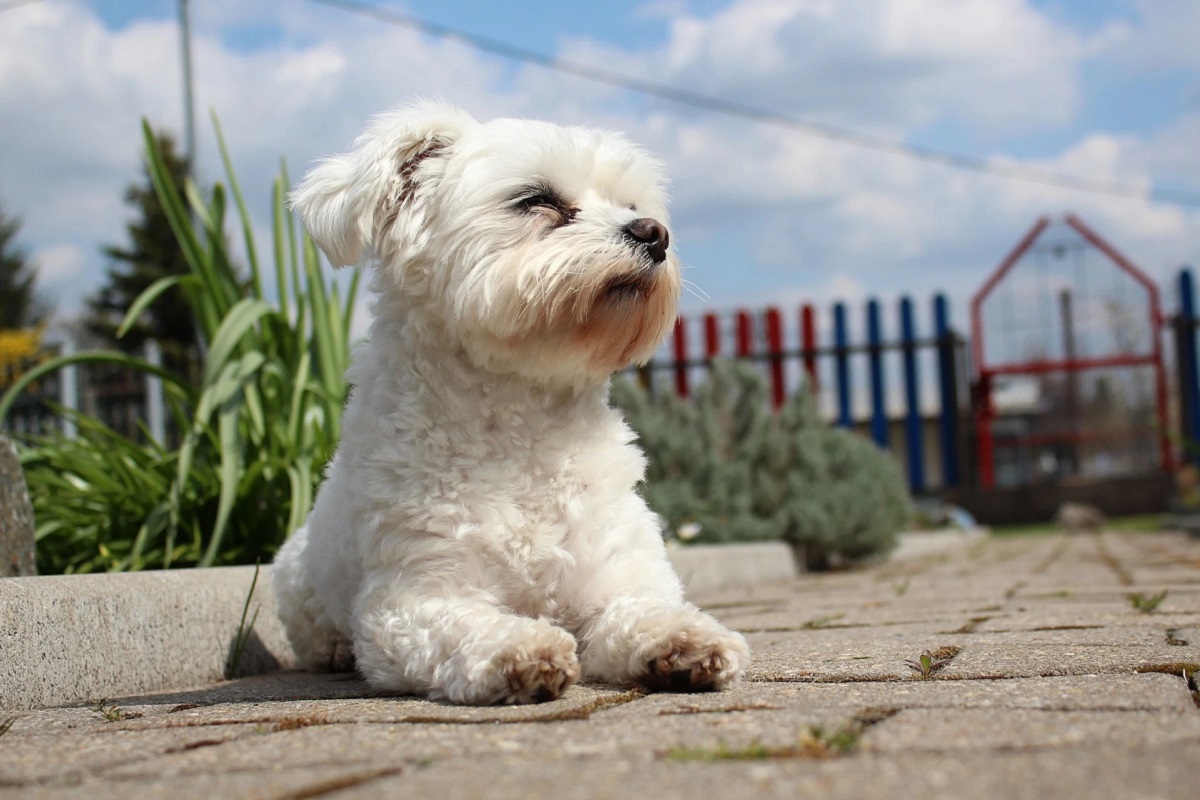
[(821, 622), (901, 587), (822, 742), (817, 742), (6, 724), (928, 663), (109, 712), (1147, 603)]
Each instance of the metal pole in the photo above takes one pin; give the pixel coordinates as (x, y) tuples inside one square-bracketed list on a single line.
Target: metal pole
[(156, 417), (189, 117)]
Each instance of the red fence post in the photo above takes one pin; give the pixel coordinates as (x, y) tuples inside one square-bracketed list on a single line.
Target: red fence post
[(712, 336), (745, 334), (775, 348), (681, 354), (808, 334)]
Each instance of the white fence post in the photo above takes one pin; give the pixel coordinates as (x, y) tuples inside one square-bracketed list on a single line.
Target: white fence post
[(155, 406), (68, 389)]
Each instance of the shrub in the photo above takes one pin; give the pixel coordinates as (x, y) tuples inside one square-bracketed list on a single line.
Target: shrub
[(725, 463), (257, 429)]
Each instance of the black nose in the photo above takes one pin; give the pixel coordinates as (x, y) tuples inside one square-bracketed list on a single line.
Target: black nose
[(651, 233)]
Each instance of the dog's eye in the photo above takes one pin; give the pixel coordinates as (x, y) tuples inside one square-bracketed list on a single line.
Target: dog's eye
[(543, 200), (548, 203)]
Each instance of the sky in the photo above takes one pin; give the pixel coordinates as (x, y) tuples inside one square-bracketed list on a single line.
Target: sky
[(1106, 90)]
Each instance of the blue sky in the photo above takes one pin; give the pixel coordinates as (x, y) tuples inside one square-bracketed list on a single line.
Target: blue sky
[(1108, 89)]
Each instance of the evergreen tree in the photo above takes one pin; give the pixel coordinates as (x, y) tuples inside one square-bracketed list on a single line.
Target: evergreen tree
[(152, 253), (19, 304)]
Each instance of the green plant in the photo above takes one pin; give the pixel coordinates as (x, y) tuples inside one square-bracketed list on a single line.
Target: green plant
[(243, 632), (706, 474), (108, 711), (1147, 603), (256, 430), (723, 463), (927, 663)]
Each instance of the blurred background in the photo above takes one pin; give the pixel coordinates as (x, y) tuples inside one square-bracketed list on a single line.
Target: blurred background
[(1022, 175)]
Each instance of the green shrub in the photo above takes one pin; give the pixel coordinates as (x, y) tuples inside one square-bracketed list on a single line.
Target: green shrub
[(257, 430), (845, 498), (726, 464)]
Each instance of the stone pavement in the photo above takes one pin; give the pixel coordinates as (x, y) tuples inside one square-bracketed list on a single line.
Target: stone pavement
[(1046, 682)]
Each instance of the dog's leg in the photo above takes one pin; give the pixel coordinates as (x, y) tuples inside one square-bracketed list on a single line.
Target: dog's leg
[(464, 650), (644, 637), (314, 638), (635, 626)]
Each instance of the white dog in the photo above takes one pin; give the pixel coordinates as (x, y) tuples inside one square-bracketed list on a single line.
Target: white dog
[(478, 537)]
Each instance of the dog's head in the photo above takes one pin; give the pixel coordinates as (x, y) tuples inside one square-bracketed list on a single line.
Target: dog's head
[(543, 249)]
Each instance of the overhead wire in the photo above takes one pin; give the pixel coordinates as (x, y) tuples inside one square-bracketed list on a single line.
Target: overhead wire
[(744, 111)]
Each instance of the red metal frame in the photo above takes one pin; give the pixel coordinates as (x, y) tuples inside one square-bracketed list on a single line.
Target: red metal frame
[(985, 412)]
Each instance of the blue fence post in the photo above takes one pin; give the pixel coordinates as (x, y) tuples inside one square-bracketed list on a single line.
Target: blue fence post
[(842, 359), (912, 399), (879, 431), (1189, 380), (948, 386)]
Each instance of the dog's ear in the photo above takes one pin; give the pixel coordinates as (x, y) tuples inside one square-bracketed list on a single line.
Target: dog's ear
[(348, 201)]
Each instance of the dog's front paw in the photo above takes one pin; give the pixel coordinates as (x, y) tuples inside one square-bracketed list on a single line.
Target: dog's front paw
[(696, 658), (538, 671)]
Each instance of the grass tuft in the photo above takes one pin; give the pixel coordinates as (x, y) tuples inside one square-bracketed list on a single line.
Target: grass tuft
[(243, 631), (1147, 603)]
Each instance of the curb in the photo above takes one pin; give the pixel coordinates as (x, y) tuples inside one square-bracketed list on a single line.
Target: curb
[(75, 638), (67, 639)]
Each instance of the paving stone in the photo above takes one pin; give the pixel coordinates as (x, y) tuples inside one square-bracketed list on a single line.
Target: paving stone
[(844, 654), (68, 758), (1066, 773), (1030, 660), (1042, 698), (1011, 729)]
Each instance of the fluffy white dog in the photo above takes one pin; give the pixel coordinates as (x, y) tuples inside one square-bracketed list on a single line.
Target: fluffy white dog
[(478, 537)]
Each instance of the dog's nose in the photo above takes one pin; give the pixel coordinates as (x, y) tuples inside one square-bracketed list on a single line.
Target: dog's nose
[(651, 233)]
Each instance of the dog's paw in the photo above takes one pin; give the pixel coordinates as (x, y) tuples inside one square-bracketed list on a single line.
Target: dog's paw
[(696, 658), (540, 671)]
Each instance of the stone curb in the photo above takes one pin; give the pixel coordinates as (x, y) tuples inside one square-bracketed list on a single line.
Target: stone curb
[(78, 638)]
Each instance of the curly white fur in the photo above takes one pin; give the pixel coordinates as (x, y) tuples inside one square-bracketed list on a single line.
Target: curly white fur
[(478, 537)]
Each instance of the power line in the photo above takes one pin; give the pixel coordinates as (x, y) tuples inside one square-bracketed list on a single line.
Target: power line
[(731, 108)]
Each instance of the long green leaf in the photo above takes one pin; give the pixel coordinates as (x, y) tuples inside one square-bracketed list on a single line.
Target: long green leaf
[(243, 213), (239, 319), (148, 296), (85, 357)]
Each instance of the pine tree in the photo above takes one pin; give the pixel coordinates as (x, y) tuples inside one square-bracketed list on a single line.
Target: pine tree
[(19, 305), (152, 253)]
